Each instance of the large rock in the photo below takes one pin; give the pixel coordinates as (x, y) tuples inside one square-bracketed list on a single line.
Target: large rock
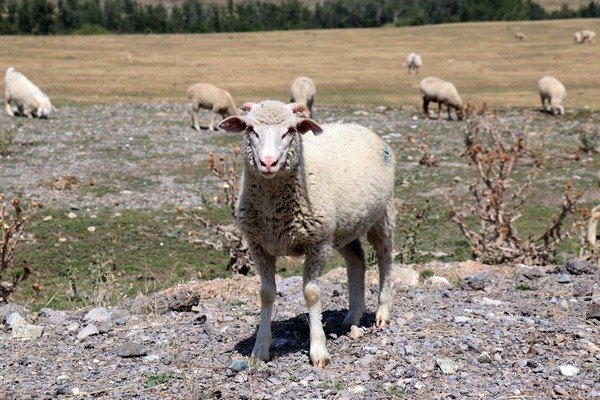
[(580, 267)]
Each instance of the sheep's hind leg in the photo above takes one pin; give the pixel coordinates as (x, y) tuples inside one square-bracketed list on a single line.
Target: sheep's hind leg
[(381, 237), (426, 109), (355, 268), (313, 267), (265, 265), (195, 123)]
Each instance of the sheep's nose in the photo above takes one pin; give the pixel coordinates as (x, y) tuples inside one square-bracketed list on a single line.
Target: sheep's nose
[(268, 162)]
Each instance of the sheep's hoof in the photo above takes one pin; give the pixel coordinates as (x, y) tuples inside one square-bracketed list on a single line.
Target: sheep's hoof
[(352, 318), (321, 363)]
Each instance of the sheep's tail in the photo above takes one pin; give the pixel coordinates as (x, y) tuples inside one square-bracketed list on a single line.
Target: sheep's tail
[(299, 108)]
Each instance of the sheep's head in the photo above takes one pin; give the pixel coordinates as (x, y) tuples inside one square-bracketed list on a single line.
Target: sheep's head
[(45, 110), (271, 127)]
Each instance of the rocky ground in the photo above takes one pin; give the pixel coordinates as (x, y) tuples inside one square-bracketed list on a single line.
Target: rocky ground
[(512, 332), (497, 333)]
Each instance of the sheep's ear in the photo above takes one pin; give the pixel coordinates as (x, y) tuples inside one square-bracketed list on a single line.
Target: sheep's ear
[(304, 125), (233, 124)]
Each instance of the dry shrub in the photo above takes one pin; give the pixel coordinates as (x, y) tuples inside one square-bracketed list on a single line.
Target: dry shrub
[(13, 229), (427, 159), (493, 151), (6, 138), (234, 243)]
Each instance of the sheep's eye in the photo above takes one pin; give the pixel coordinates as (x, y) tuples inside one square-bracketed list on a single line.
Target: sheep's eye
[(290, 131)]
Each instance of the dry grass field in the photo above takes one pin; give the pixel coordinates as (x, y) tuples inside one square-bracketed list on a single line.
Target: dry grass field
[(354, 66), (551, 5)]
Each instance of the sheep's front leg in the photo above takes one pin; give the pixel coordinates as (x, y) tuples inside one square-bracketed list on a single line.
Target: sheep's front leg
[(265, 264), (440, 104), (426, 108), (9, 110), (211, 127), (313, 267), (195, 123)]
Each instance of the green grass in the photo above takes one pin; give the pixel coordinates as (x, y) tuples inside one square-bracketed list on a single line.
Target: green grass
[(137, 251)]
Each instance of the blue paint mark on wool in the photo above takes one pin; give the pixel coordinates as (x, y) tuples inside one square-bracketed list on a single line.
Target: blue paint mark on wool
[(386, 155), (386, 150)]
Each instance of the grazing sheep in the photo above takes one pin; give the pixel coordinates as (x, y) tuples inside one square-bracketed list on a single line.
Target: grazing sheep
[(587, 36), (28, 99), (552, 90), (577, 38), (520, 36), (303, 92), (210, 97), (413, 61), (306, 194), (439, 91)]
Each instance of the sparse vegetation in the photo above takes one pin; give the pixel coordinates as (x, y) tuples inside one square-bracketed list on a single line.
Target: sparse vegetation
[(524, 286), (6, 138), (426, 273)]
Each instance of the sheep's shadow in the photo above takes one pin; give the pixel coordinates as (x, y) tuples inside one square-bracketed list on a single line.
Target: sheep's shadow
[(293, 334)]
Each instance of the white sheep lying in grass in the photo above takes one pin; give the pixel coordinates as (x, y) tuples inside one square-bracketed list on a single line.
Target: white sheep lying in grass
[(439, 91), (554, 91), (307, 190), (210, 97), (414, 62), (28, 99), (303, 92)]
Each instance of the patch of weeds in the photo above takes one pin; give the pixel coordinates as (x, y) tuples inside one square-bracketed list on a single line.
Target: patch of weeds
[(410, 238), (6, 138), (154, 379), (590, 367), (524, 286), (338, 385), (395, 391), (294, 378), (426, 274), (237, 303)]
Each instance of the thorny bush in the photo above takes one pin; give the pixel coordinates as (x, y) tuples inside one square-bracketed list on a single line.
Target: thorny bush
[(236, 245), (493, 151), (13, 229)]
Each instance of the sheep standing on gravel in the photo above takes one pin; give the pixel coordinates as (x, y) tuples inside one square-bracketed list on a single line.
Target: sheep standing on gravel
[(587, 36), (307, 189), (520, 36), (210, 97), (303, 92), (28, 99), (439, 91), (554, 91), (414, 62)]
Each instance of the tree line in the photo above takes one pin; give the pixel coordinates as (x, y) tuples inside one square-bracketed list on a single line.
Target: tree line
[(42, 17)]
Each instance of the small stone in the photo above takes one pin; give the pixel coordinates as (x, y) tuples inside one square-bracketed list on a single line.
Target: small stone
[(89, 330), (131, 349), (491, 302), (15, 320), (592, 348), (484, 358), (438, 281), (239, 365), (72, 215), (370, 349), (367, 360), (564, 278), (447, 366), (151, 358), (47, 218), (75, 391), (568, 370), (462, 320), (593, 312), (533, 273), (120, 321), (580, 267), (560, 391), (356, 332), (99, 314), (583, 289), (91, 229), (358, 389), (28, 331)]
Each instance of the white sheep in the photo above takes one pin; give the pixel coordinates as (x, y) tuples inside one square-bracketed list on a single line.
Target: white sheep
[(520, 36), (414, 62), (554, 91), (587, 36), (439, 91), (28, 99), (210, 97), (577, 38), (303, 92), (306, 194)]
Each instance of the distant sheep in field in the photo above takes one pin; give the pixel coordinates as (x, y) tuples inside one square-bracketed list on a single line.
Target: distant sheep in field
[(303, 92), (588, 36), (210, 97), (577, 38), (439, 91), (28, 99), (414, 62), (520, 36), (308, 189), (554, 91)]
